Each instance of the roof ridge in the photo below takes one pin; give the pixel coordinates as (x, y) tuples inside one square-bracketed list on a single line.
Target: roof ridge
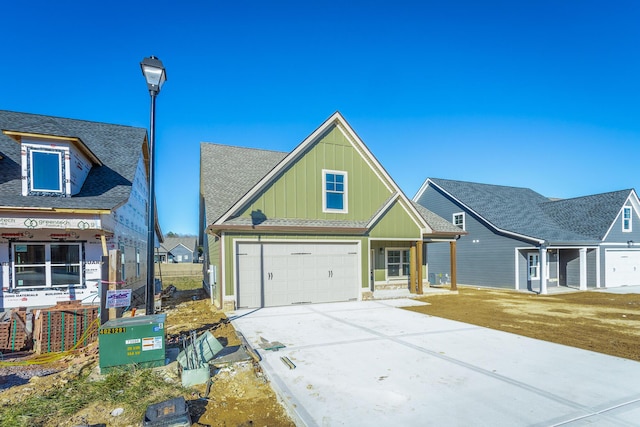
[(241, 147), (589, 195), (48, 116)]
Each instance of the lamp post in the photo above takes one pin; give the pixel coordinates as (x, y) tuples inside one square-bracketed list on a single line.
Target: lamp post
[(155, 74)]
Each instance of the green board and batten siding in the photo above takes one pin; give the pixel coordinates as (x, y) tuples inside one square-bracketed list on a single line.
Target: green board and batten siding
[(366, 192), (396, 224)]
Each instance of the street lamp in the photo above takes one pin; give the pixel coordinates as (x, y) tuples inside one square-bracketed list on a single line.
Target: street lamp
[(155, 74)]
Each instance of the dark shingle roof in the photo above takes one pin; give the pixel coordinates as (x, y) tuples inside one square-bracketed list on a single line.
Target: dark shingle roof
[(227, 173), (588, 215), (525, 212), (106, 187), (436, 222)]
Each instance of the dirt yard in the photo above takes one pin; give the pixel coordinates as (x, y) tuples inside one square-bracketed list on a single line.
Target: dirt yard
[(597, 321), (242, 396)]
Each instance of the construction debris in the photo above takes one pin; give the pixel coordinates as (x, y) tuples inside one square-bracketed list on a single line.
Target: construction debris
[(288, 362), (271, 345)]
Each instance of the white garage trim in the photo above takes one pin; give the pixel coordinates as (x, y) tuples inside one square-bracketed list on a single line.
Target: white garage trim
[(275, 273), (622, 267)]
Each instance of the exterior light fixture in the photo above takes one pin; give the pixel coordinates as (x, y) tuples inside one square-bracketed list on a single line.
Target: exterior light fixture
[(155, 75)]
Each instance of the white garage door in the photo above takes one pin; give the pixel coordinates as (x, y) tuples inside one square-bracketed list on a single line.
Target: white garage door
[(623, 268), (274, 274)]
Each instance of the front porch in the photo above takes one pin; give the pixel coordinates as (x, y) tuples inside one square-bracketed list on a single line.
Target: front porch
[(399, 269)]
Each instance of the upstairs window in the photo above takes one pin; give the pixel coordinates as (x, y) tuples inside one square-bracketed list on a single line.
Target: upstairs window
[(45, 170), (626, 219), (458, 220), (334, 194)]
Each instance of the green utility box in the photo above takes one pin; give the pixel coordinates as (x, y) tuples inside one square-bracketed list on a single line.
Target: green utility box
[(136, 340)]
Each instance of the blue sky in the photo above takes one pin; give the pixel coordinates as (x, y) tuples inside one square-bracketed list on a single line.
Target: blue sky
[(539, 94)]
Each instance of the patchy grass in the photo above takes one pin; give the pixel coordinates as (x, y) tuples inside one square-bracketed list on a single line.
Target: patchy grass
[(596, 321), (132, 390), (184, 283)]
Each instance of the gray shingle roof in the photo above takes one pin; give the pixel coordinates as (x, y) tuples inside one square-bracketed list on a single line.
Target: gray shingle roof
[(525, 212), (588, 215), (188, 241), (227, 173), (436, 222), (106, 187)]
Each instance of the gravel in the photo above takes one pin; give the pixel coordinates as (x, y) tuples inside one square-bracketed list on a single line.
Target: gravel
[(17, 375)]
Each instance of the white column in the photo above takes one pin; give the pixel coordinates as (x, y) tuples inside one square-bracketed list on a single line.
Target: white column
[(598, 283), (583, 269), (543, 269)]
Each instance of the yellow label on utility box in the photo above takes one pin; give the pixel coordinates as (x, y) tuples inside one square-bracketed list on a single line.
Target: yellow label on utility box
[(107, 331)]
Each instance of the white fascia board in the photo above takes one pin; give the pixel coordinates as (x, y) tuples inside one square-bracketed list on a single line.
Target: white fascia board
[(384, 210), (510, 233), (422, 189)]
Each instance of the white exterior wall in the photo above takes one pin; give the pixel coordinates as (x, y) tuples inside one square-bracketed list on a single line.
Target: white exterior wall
[(125, 228)]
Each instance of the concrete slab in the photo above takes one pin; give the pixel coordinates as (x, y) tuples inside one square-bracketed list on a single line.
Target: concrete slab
[(371, 363)]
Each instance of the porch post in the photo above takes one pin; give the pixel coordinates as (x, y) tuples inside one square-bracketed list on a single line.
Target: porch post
[(583, 269), (543, 269), (412, 268), (419, 257), (452, 258)]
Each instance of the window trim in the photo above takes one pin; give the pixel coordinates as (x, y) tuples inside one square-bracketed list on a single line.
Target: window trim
[(48, 265), (627, 223), (401, 264), (464, 220), (61, 170), (345, 198)]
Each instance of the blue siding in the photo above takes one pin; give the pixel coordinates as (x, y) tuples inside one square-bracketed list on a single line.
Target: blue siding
[(484, 258), (181, 254)]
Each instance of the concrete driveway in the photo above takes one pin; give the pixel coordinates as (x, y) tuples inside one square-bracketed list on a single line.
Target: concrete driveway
[(370, 363)]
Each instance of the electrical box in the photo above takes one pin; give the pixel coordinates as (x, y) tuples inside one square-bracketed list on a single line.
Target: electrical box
[(136, 341)]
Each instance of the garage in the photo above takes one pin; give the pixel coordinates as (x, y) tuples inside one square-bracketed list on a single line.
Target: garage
[(623, 268), (277, 274)]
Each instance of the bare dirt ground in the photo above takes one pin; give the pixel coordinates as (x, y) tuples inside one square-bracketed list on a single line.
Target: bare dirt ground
[(597, 321), (241, 395)]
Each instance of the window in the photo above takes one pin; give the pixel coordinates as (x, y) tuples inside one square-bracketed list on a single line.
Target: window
[(334, 194), (458, 220), (45, 171), (626, 219), (534, 266), (47, 265), (398, 263)]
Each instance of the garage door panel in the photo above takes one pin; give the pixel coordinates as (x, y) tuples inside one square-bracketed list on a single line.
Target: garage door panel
[(306, 273), (249, 274), (622, 268)]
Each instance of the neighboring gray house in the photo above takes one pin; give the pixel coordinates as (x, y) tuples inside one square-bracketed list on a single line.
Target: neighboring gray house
[(520, 239), (179, 249)]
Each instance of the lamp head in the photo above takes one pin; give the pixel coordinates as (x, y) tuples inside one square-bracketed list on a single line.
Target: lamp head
[(154, 72)]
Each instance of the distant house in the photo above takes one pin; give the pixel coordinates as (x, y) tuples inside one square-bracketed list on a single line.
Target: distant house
[(179, 249), (322, 223), (520, 239), (70, 190)]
